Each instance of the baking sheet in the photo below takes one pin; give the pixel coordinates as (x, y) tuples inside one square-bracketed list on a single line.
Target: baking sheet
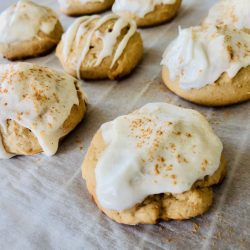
[(44, 203)]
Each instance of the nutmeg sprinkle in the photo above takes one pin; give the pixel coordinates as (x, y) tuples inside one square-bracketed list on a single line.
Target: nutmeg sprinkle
[(37, 98)]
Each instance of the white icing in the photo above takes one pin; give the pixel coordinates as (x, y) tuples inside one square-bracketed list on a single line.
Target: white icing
[(159, 148), (23, 21), (139, 7), (36, 98), (73, 38), (230, 12), (200, 55), (68, 3)]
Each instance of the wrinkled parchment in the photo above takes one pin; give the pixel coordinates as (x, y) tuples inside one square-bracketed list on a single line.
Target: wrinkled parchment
[(44, 203)]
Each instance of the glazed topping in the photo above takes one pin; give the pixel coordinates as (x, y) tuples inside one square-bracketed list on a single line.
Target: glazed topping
[(200, 55), (36, 98), (230, 12), (24, 20), (67, 3), (159, 148), (81, 34), (139, 7)]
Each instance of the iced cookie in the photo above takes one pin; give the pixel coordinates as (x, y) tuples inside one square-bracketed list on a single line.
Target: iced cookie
[(230, 12), (157, 163), (147, 12), (83, 7), (28, 30), (97, 47), (209, 65), (38, 107)]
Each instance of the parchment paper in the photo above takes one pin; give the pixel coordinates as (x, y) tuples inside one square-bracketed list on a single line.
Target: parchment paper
[(44, 203)]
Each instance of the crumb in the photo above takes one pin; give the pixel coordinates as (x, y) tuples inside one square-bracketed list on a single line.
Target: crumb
[(242, 242), (169, 240), (77, 141), (218, 236), (195, 228)]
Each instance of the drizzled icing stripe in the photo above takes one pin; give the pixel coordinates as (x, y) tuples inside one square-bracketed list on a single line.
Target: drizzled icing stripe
[(79, 29), (124, 43)]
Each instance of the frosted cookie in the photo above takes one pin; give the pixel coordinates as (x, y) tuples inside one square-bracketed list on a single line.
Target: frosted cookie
[(230, 12), (157, 163), (97, 47), (209, 65), (28, 30), (38, 107), (147, 12), (83, 7)]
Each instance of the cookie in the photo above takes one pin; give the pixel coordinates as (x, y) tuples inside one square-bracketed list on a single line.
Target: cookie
[(230, 12), (38, 106), (28, 30), (84, 7), (147, 12), (157, 163), (97, 47), (209, 65)]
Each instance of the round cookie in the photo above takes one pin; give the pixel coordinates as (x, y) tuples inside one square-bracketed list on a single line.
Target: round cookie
[(28, 30), (209, 65), (230, 12), (97, 47), (162, 133), (39, 106), (147, 12), (84, 7)]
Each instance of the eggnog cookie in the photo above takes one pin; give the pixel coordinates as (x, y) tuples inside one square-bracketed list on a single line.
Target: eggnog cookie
[(83, 7), (147, 12), (38, 107), (28, 30), (230, 12), (209, 65), (97, 47), (157, 163)]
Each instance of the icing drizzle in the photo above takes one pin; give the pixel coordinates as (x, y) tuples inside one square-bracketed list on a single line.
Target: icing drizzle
[(36, 98), (24, 20), (88, 27), (159, 148)]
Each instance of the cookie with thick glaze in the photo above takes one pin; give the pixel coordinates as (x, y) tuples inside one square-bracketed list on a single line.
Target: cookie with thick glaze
[(40, 36), (39, 107), (209, 65), (121, 177)]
